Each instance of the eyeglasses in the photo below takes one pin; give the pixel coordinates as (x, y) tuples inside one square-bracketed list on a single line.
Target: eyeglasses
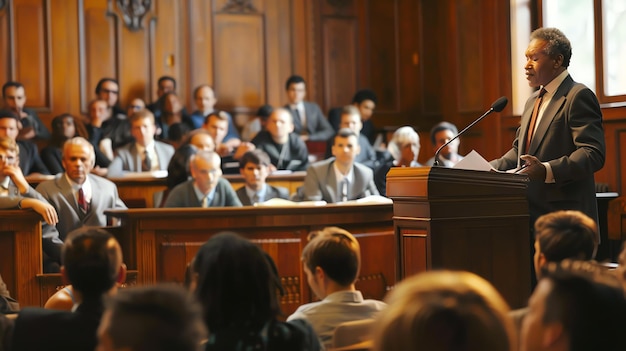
[(107, 91), (136, 107), (7, 159)]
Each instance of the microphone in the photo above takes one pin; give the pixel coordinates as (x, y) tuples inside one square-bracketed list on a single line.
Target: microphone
[(497, 106)]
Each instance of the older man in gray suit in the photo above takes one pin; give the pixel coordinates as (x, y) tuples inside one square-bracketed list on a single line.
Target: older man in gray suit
[(339, 179), (145, 154), (79, 197)]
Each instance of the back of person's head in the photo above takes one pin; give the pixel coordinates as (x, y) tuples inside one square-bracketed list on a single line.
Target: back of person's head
[(445, 311), (92, 261), (402, 136), (294, 79), (153, 318), (336, 252), (442, 126), (566, 234), (237, 283), (364, 94), (257, 157), (586, 300), (264, 111)]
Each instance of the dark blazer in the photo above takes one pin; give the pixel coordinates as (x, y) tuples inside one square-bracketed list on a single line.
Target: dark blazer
[(30, 162), (369, 130), (271, 193), (296, 157), (366, 157), (320, 182), (570, 138), (59, 193), (51, 330), (52, 157), (317, 126), (184, 195)]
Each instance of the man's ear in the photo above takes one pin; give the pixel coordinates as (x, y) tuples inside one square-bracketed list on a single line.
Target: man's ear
[(121, 274), (542, 260), (64, 277), (553, 332), (319, 273)]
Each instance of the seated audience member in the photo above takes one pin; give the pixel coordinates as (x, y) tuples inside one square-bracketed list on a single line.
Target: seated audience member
[(92, 263), (145, 154), (331, 261), (404, 148), (255, 167), (207, 188), (285, 149), (30, 162), (64, 127), (78, 196), (577, 305), (135, 106), (237, 285), (216, 124), (14, 99), (178, 168), (15, 192), (63, 300), (365, 100), (440, 134), (444, 311), (351, 119), (155, 318), (309, 121), (7, 304), (106, 133), (256, 124), (108, 89), (172, 113), (165, 84), (205, 100), (339, 179)]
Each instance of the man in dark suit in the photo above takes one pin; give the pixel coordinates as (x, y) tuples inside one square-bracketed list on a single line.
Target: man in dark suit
[(207, 188), (79, 197), (308, 120), (254, 166), (339, 179), (30, 161), (144, 154), (561, 144), (14, 99), (365, 100), (92, 263), (351, 119)]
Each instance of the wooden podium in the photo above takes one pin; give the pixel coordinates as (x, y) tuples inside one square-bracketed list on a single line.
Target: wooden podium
[(463, 220)]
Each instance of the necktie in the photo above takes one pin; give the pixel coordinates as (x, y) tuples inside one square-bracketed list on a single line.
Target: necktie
[(301, 117), (255, 198), (146, 166), (82, 203), (533, 118), (343, 189), (205, 202)]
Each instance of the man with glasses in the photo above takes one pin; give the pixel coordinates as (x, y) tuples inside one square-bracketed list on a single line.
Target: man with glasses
[(207, 188)]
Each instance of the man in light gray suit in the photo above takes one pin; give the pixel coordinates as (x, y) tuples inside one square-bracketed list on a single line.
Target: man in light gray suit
[(145, 154), (79, 197), (207, 188), (560, 141), (339, 179)]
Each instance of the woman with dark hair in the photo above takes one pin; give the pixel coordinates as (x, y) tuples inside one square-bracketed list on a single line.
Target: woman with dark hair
[(64, 127), (238, 286)]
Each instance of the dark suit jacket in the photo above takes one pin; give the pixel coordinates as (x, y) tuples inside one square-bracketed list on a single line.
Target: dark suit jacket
[(59, 193), (30, 162), (50, 330), (369, 130), (320, 182), (271, 193), (317, 126), (184, 195), (52, 157), (296, 158), (570, 138), (366, 157)]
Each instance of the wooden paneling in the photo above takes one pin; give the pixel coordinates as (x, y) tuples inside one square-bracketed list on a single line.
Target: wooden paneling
[(340, 52), (470, 57), (99, 50), (31, 51)]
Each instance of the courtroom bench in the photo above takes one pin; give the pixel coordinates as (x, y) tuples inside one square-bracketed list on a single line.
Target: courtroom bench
[(159, 243)]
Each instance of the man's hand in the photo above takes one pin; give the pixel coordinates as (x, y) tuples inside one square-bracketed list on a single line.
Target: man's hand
[(46, 210), (223, 150), (242, 149), (15, 173), (533, 168)]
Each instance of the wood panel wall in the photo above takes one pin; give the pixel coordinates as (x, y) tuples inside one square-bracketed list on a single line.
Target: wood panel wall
[(426, 60)]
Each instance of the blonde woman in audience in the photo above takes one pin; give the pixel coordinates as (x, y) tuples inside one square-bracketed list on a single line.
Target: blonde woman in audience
[(445, 311), (403, 148)]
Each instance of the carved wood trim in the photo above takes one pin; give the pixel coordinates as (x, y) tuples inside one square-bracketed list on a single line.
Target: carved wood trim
[(133, 12), (239, 6)]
